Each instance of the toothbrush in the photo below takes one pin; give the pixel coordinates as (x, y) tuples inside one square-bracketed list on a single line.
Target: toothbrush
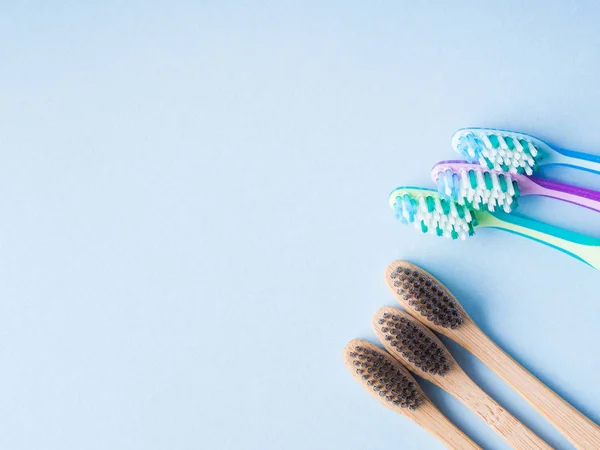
[(507, 151), (429, 301), (481, 188), (423, 353), (391, 384), (434, 214)]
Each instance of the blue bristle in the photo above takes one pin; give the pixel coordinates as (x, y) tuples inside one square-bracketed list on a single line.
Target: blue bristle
[(463, 147), (441, 184), (475, 144), (448, 178), (398, 210), (455, 185), (408, 207), (447, 181), (470, 141)]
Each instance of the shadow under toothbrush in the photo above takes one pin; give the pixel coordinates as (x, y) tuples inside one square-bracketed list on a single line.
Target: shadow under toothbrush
[(505, 395), (471, 363), (461, 416), (436, 306), (498, 389)]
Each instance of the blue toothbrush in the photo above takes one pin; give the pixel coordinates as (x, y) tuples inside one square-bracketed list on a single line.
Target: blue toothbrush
[(512, 152)]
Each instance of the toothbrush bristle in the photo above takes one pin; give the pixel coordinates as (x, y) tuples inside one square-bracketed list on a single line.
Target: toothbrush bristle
[(433, 214), (426, 296), (498, 150), (412, 342), (383, 375), (479, 189)]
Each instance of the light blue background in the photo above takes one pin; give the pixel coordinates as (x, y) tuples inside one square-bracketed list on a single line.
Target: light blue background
[(195, 220)]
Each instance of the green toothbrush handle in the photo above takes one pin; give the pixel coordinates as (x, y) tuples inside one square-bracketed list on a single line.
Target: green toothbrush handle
[(582, 247)]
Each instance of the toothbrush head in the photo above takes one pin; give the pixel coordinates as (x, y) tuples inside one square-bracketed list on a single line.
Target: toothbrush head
[(382, 376), (476, 187), (500, 150), (412, 343), (432, 213), (424, 296)]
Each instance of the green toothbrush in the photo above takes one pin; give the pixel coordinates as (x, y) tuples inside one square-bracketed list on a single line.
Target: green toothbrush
[(433, 214)]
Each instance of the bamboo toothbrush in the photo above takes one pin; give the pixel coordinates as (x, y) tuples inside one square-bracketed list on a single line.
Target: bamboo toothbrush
[(423, 353), (434, 214), (391, 384), (508, 151), (430, 302), (483, 189)]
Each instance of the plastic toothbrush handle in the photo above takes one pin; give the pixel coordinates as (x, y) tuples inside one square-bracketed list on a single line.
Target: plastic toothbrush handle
[(568, 193), (579, 160), (582, 247)]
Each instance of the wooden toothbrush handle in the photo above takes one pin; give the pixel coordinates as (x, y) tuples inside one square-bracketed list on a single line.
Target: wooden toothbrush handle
[(430, 418), (517, 435), (577, 428)]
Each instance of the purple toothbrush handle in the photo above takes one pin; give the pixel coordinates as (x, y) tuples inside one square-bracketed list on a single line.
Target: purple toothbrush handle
[(572, 194)]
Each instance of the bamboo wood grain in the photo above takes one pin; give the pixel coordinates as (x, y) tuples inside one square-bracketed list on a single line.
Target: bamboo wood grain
[(458, 384), (426, 415), (577, 428), (430, 418)]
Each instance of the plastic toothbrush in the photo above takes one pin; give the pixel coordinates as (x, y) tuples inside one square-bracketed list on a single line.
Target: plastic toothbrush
[(508, 151), (434, 214), (481, 188)]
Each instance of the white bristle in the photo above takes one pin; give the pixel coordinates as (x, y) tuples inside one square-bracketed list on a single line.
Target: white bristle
[(532, 149), (486, 140), (481, 197), (518, 145), (496, 185), (477, 145), (510, 189), (453, 211), (451, 224), (448, 183)]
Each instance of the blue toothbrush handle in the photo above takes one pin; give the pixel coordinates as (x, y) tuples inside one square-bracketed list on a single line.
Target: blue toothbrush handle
[(579, 160)]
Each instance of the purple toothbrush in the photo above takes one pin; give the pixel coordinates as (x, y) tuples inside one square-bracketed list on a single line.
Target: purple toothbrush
[(481, 188)]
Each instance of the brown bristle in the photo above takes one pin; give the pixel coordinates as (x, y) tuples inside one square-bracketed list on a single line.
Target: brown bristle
[(412, 342), (381, 374), (426, 296)]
